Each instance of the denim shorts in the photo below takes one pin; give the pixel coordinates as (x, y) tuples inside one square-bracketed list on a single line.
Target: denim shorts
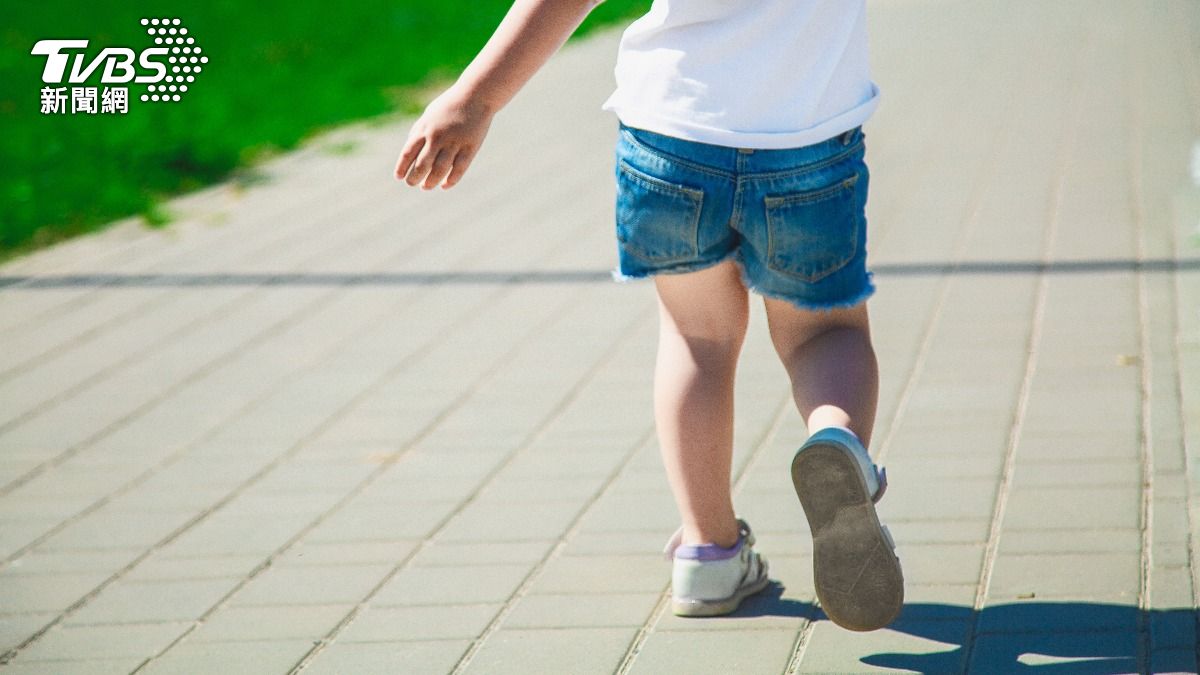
[(793, 219)]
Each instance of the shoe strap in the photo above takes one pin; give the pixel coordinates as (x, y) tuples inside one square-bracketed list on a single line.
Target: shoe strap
[(881, 479), (887, 534), (673, 543), (676, 540)]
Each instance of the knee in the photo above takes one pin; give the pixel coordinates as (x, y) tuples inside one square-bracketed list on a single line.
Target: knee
[(709, 351), (793, 332)]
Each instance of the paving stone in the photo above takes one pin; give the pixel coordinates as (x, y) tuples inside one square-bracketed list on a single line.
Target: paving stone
[(1171, 524), (632, 481), (705, 651), (616, 543), (87, 666), (16, 628), (318, 585), (1098, 507), (564, 489), (113, 530), (794, 573), (491, 521), (632, 512), (1015, 541), (103, 641), (940, 563), (447, 622), (938, 531), (914, 440), (778, 607), (961, 280), (603, 574), (161, 568), (432, 656), (1099, 575), (552, 650), (438, 553), (1094, 446), (554, 465), (1051, 616), (404, 490), (385, 522), (249, 658), (1173, 628), (962, 499), (1173, 660), (1069, 474), (771, 518), (310, 477), (280, 622), (227, 535), (938, 602), (581, 610), (916, 469), (1170, 587), (451, 585), (45, 592), (1172, 555), (307, 554), (148, 601), (1008, 652), (55, 562), (922, 646)]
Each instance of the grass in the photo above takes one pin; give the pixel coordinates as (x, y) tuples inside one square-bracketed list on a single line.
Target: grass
[(278, 73)]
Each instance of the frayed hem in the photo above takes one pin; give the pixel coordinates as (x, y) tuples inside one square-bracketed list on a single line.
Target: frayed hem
[(854, 301), (625, 279)]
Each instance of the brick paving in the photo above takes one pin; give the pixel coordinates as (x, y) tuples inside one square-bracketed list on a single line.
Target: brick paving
[(323, 423)]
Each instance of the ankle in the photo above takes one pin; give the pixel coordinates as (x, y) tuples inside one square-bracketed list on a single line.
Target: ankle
[(725, 535)]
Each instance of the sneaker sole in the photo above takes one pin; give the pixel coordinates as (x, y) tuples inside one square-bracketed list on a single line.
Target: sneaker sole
[(719, 607), (858, 578)]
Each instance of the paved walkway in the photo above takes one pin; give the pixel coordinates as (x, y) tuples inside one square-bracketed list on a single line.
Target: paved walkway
[(326, 424)]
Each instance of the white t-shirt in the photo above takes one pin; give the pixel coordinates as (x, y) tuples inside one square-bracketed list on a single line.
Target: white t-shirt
[(746, 73)]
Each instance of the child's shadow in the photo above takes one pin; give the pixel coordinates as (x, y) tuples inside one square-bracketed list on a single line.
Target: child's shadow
[(1044, 637), (770, 602)]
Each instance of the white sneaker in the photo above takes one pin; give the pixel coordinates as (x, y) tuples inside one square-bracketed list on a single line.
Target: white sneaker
[(709, 580), (858, 578)]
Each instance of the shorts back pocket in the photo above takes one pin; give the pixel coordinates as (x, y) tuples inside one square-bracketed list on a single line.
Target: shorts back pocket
[(815, 233), (657, 221)]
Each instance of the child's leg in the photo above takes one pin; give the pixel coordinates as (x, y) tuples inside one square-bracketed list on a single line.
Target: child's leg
[(703, 317), (829, 358)]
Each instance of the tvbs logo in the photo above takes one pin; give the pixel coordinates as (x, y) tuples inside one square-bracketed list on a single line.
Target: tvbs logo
[(167, 69)]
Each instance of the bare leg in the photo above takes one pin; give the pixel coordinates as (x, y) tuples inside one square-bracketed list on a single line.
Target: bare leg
[(703, 317), (831, 363)]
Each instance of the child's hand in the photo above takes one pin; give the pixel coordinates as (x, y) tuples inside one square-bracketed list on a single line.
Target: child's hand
[(444, 140)]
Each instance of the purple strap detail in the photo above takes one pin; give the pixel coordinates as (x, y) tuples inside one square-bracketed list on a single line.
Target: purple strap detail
[(675, 543), (881, 476), (708, 552)]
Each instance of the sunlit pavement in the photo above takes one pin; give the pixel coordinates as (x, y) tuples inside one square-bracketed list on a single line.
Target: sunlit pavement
[(326, 423)]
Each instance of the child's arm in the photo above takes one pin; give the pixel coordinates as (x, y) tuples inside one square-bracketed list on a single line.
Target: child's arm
[(448, 134)]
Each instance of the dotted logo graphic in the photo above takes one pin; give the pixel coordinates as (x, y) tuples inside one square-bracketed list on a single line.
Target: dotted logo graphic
[(186, 59)]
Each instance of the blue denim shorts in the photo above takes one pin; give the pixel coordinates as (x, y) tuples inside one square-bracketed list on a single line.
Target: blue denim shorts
[(794, 219)]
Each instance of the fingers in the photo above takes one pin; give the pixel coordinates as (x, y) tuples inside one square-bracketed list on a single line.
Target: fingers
[(411, 148), (421, 163), (441, 166), (424, 162), (461, 161)]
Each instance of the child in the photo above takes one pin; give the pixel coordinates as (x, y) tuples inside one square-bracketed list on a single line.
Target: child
[(739, 166)]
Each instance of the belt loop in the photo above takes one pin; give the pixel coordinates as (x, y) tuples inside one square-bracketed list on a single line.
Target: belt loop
[(847, 137)]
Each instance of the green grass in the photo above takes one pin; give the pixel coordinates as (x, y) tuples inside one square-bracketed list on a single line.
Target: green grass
[(278, 73)]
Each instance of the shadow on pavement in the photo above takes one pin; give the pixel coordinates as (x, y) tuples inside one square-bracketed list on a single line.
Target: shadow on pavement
[(1043, 637), (498, 277)]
